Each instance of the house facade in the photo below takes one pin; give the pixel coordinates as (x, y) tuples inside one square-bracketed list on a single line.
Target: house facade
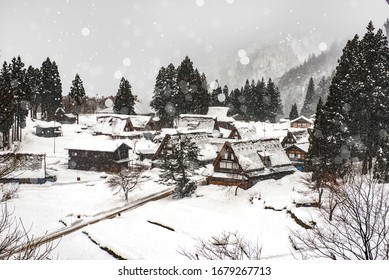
[(48, 129), (301, 122), (243, 163), (296, 145)]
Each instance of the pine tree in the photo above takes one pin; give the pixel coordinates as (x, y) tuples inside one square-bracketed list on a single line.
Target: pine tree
[(7, 108), (77, 91), (234, 102), (258, 101), (34, 81), (244, 100), (165, 92), (386, 25), (51, 89), (215, 95), (124, 100), (186, 86), (274, 106), (381, 166), (200, 100), (19, 88), (310, 102), (375, 91), (179, 165), (294, 114)]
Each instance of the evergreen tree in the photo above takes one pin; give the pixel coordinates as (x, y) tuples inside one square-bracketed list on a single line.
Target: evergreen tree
[(374, 92), (323, 88), (381, 166), (34, 81), (247, 94), (274, 106), (165, 93), (310, 101), (51, 89), (234, 102), (224, 96), (19, 88), (77, 91), (294, 114), (258, 101), (7, 108), (186, 87), (200, 100), (179, 165), (216, 95), (124, 100), (386, 25)]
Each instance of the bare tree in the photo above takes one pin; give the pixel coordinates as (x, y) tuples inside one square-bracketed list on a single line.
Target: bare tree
[(226, 246), (125, 181), (15, 242), (357, 227)]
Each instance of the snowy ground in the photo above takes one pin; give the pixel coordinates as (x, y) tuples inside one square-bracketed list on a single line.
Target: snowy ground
[(260, 213)]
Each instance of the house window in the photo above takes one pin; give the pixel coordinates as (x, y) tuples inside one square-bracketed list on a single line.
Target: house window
[(228, 165)]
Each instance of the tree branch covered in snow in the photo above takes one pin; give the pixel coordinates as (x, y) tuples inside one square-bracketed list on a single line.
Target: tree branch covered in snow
[(358, 228), (226, 246), (126, 181), (15, 242)]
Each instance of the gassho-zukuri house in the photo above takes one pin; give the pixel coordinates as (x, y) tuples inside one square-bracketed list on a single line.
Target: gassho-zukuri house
[(98, 155), (244, 163)]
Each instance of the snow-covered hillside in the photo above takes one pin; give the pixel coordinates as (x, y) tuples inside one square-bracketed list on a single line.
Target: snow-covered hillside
[(261, 214)]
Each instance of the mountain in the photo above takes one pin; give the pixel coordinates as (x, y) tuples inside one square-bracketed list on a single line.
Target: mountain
[(293, 83)]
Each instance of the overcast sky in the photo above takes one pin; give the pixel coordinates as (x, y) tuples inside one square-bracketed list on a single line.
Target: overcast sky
[(103, 40)]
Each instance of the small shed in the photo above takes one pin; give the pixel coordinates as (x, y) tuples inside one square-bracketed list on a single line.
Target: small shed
[(294, 136), (98, 155), (48, 129), (243, 163), (301, 122), (243, 131)]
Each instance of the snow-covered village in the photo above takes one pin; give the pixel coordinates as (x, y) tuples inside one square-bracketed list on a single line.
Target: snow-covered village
[(267, 148)]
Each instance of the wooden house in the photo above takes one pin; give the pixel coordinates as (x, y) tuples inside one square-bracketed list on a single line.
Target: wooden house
[(301, 122), (244, 163), (201, 139), (296, 145), (295, 136), (297, 154), (64, 118), (222, 120), (98, 155), (48, 129)]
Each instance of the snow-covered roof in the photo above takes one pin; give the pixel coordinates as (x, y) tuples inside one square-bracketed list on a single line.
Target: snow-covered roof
[(44, 124), (139, 121), (143, 109), (220, 113), (110, 124), (251, 152), (246, 130), (95, 144), (302, 118), (28, 166), (196, 122), (304, 147), (300, 135), (201, 139)]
